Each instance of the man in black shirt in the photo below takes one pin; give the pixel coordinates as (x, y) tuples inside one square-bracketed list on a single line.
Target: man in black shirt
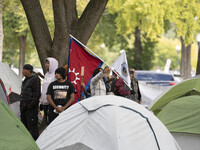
[(60, 94), (30, 94)]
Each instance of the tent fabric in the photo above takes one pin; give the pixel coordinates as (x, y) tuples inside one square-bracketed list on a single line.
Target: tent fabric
[(3, 95), (14, 136), (12, 83), (10, 79), (182, 115), (150, 92), (187, 141), (76, 146), (107, 122), (185, 88)]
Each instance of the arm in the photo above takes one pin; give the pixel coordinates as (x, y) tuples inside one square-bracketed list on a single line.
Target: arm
[(36, 89), (96, 78), (51, 101), (69, 102), (58, 109), (40, 75)]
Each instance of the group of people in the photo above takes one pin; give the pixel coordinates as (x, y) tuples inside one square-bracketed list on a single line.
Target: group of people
[(104, 84), (57, 93)]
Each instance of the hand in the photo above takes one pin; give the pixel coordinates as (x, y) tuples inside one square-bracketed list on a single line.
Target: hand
[(106, 70), (59, 109)]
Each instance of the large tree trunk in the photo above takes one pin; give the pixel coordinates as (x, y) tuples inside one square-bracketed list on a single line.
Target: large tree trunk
[(39, 28), (66, 23), (185, 68), (138, 49), (22, 49), (1, 32)]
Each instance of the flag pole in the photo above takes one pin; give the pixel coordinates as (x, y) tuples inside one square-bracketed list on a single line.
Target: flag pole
[(100, 59)]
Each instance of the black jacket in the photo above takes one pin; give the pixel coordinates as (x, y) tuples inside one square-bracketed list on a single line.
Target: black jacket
[(30, 92)]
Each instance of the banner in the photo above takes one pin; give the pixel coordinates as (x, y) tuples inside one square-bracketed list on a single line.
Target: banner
[(121, 66), (77, 58)]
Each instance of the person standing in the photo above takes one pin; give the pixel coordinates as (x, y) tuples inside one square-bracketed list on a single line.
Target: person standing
[(135, 87), (30, 94), (51, 64), (60, 94), (121, 89), (97, 84)]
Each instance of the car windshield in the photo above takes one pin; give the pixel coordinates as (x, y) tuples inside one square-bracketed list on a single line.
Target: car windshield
[(153, 77)]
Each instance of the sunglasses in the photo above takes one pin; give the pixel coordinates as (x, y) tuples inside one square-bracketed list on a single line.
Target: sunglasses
[(132, 72)]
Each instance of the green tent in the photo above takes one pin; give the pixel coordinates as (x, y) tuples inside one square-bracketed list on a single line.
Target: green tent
[(182, 119), (182, 115), (13, 134), (185, 88)]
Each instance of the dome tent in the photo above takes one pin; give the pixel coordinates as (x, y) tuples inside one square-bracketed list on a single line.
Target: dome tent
[(185, 88), (11, 82), (181, 117), (107, 122), (13, 134)]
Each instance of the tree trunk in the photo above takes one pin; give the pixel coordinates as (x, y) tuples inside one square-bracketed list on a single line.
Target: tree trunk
[(22, 49), (138, 49), (39, 28), (66, 23), (198, 61), (185, 68), (1, 32)]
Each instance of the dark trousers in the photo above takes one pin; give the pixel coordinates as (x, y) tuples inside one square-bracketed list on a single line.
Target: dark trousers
[(29, 118), (45, 109), (51, 115)]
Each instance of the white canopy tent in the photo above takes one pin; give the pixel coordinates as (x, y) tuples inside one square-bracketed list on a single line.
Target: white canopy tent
[(107, 123)]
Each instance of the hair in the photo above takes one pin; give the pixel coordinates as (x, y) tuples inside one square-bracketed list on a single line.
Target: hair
[(61, 71), (96, 71), (28, 67)]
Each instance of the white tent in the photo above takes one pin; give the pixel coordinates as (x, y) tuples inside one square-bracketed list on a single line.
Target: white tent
[(150, 92), (107, 123), (12, 83)]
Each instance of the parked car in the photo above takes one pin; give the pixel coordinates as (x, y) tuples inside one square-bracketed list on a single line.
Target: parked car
[(157, 78)]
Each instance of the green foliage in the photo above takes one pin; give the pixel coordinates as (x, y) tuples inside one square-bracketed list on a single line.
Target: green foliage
[(182, 15), (148, 15), (164, 50), (14, 25), (146, 57)]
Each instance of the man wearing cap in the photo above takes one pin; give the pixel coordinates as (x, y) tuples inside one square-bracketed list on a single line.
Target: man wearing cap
[(30, 94), (60, 94)]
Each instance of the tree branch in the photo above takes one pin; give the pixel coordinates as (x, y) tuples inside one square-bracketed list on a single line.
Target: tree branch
[(71, 14), (89, 19)]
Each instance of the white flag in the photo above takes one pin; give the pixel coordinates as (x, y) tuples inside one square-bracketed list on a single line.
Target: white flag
[(121, 66)]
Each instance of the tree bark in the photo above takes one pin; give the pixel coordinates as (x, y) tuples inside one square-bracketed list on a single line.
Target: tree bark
[(185, 68), (1, 32), (22, 49), (39, 28), (66, 23), (138, 49)]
